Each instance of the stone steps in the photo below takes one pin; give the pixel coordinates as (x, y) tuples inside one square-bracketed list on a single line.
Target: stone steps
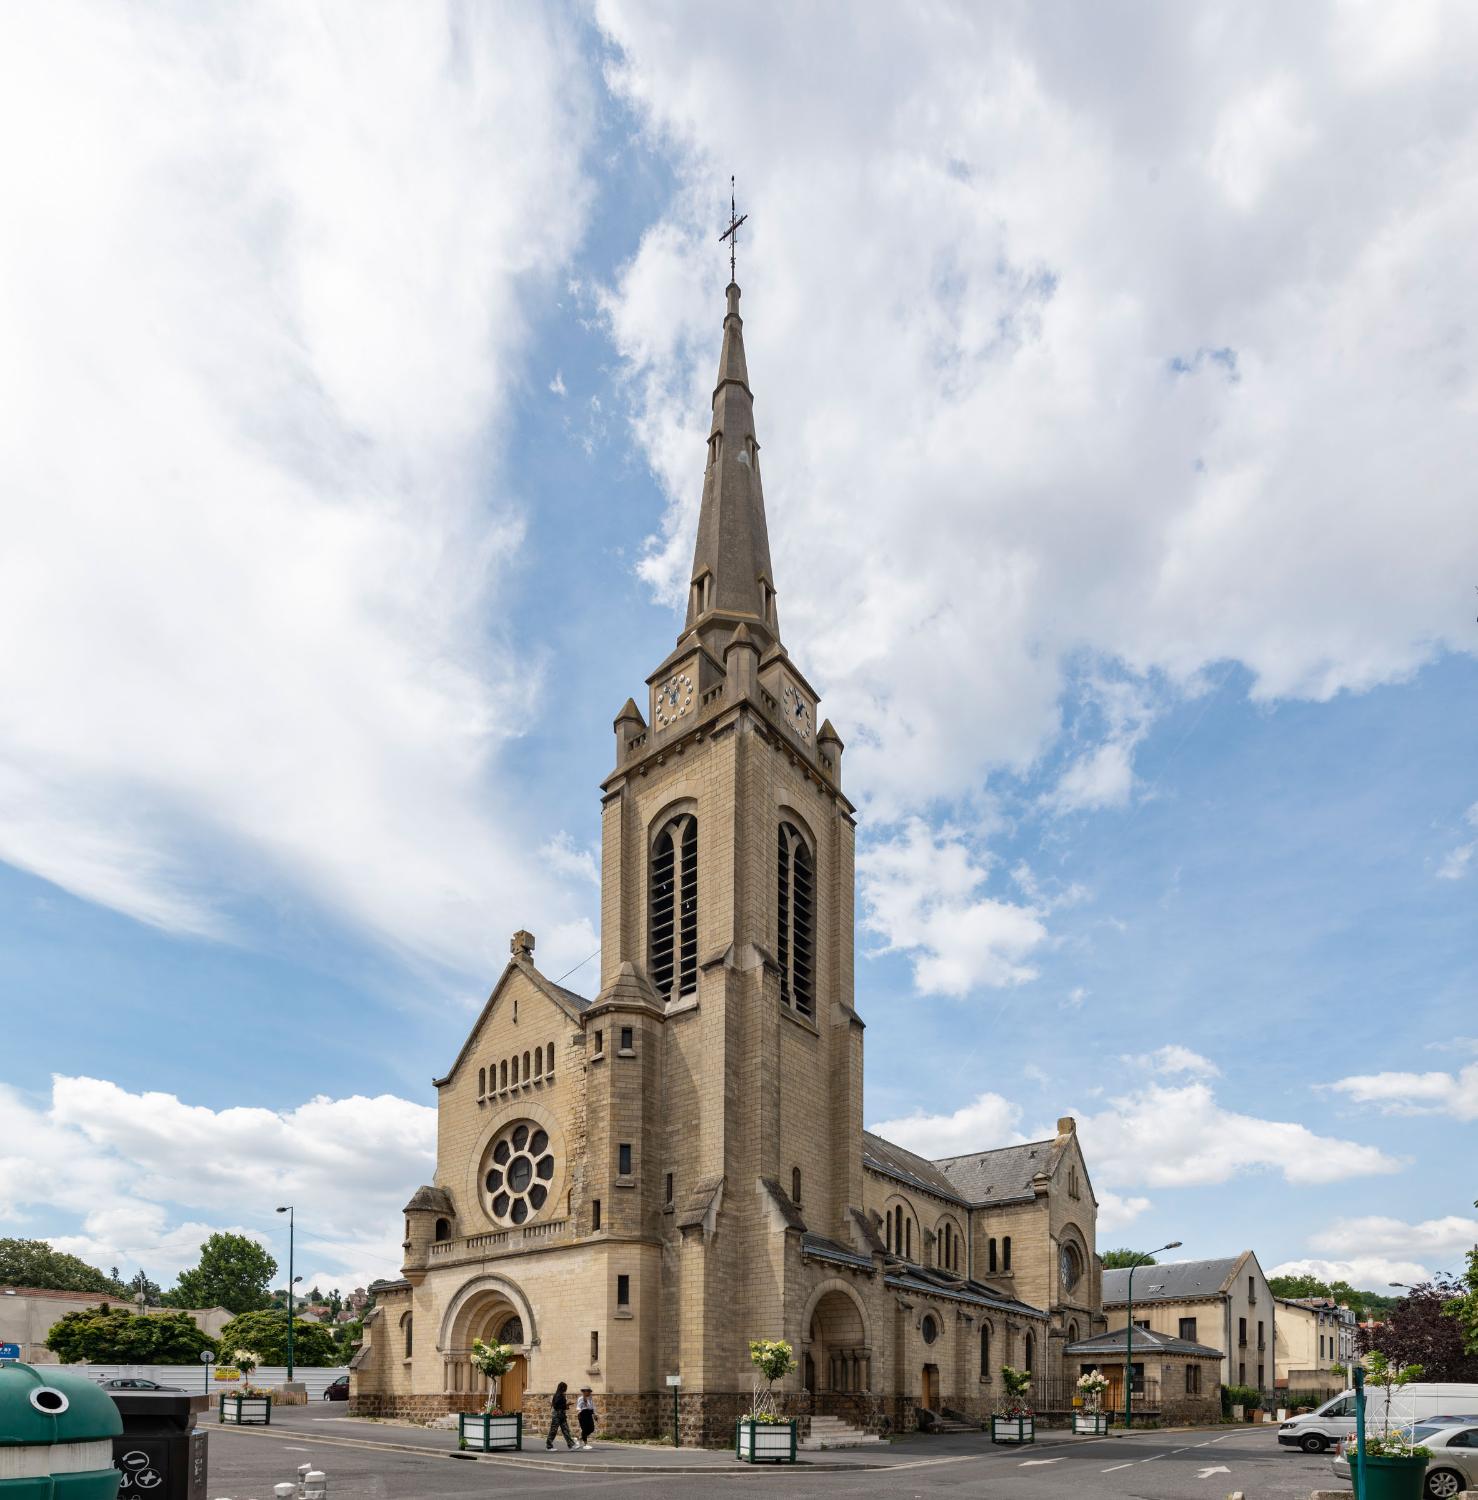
[(832, 1432)]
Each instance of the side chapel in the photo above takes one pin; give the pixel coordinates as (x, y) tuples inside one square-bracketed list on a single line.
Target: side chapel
[(634, 1186)]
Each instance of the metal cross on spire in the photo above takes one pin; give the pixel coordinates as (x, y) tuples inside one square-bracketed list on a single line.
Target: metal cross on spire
[(732, 232)]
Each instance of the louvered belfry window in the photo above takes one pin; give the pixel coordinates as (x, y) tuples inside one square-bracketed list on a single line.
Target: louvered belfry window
[(797, 926), (673, 952)]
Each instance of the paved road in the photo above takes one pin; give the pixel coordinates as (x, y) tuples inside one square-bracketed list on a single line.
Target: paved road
[(1145, 1466)]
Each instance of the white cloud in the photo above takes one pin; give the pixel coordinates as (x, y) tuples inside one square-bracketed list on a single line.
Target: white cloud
[(1440, 1241), (987, 1121), (1454, 1094), (1181, 1136), (1457, 860), (922, 894), (150, 1176), (1118, 1211), (1174, 1058), (1100, 374), (1157, 1136), (1368, 1273), (557, 385), (270, 276)]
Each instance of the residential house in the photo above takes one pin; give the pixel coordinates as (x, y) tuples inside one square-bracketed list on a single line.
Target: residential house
[(1224, 1304), (1307, 1346)]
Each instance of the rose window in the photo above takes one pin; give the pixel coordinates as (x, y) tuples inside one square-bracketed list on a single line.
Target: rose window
[(520, 1170)]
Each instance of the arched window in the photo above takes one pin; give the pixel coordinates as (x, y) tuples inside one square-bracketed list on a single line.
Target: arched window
[(1069, 1265), (985, 1351), (407, 1324), (795, 1186), (482, 1082), (1072, 1333), (549, 1060), (443, 1229), (512, 1331), (672, 954), (515, 1070), (1006, 1253), (538, 1062), (908, 1237), (992, 1256), (888, 1232), (503, 1074), (1031, 1344), (797, 921), (526, 1073)]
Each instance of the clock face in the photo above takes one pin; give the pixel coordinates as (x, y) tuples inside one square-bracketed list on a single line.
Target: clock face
[(674, 699), (797, 711)]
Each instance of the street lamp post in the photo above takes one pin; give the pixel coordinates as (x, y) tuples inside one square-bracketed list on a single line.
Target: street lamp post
[(288, 1210), (1129, 1341)]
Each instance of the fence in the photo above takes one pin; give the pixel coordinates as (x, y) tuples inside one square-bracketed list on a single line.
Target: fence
[(1056, 1393), (198, 1377)]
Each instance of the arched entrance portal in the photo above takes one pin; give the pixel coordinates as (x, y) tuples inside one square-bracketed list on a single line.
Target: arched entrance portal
[(838, 1357), (494, 1310)]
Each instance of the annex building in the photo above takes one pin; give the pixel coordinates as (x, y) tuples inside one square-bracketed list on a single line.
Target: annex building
[(634, 1186)]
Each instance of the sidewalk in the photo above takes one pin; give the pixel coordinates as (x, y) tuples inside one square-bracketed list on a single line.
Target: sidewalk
[(913, 1450)]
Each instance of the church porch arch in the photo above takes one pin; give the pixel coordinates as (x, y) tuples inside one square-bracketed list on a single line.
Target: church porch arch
[(494, 1309), (836, 1340)]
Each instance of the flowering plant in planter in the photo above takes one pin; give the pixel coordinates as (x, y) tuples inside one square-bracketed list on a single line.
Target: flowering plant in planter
[(493, 1360), (1092, 1385), (1018, 1385), (773, 1359)]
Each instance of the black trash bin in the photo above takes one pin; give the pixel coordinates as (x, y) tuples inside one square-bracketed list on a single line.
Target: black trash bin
[(162, 1453)]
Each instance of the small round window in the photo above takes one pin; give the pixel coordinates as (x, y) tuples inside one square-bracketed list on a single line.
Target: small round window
[(519, 1169), (929, 1328)]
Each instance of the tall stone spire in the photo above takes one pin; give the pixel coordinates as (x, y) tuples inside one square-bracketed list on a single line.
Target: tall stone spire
[(732, 579)]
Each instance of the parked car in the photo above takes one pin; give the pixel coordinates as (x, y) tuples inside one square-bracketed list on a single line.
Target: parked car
[(1452, 1468), (1421, 1401), (136, 1383), (337, 1390)]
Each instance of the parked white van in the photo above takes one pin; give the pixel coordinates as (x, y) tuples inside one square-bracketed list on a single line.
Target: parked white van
[(1317, 1430)]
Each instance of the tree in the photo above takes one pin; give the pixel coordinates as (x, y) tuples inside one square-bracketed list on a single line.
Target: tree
[(35, 1263), (114, 1335), (1297, 1286), (1121, 1260), (1421, 1331), (140, 1288), (233, 1273), (265, 1333)]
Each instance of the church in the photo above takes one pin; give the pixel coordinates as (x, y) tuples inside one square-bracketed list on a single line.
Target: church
[(633, 1187)]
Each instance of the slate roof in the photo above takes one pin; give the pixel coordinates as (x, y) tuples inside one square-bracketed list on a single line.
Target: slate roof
[(1000, 1176), (1146, 1340), (1176, 1280), (959, 1289), (893, 1161), (430, 1200), (821, 1248)]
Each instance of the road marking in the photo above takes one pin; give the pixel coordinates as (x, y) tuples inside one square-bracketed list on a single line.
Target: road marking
[(1151, 1458), (1116, 1466), (1219, 1469), (1221, 1439), (1183, 1450), (287, 1449), (1033, 1463)]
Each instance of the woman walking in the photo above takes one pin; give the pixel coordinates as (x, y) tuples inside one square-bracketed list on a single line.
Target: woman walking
[(585, 1414), (558, 1420)]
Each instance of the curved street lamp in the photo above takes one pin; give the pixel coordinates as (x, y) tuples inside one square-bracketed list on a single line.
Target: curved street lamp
[(1129, 1340)]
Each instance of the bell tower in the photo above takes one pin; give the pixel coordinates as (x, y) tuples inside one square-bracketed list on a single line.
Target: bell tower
[(726, 949)]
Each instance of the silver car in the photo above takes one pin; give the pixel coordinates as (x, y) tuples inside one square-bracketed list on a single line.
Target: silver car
[(1453, 1466)]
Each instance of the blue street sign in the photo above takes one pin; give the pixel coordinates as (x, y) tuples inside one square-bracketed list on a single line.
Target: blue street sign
[(10, 1351)]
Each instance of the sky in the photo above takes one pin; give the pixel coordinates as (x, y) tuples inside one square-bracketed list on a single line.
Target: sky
[(1117, 369)]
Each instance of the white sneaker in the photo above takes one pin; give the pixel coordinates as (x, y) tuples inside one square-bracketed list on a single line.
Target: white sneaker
[(586, 1447)]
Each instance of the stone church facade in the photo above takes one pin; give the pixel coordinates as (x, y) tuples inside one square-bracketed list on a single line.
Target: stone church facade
[(635, 1186)]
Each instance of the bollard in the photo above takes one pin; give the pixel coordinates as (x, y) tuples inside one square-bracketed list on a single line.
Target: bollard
[(285, 1491), (315, 1486)]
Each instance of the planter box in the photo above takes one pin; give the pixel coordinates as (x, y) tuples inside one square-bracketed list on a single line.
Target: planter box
[(1090, 1423), (764, 1442), (485, 1434), (1014, 1429), (1394, 1478), (246, 1411)]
